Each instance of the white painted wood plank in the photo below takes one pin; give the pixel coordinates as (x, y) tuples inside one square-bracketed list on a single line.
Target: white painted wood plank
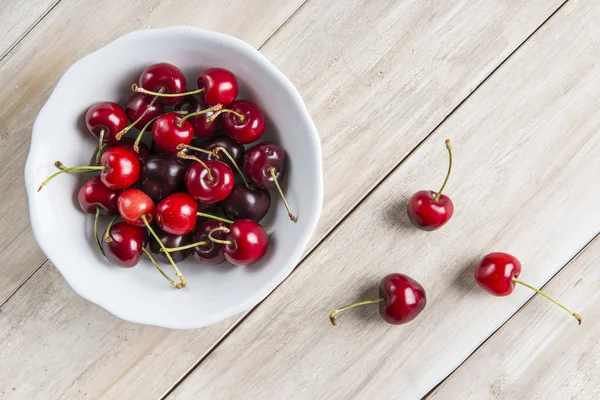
[(536, 355), (526, 146)]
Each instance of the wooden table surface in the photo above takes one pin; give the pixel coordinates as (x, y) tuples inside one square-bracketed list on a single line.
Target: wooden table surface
[(515, 84)]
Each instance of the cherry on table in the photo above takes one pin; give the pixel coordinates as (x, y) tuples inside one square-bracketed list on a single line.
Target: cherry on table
[(208, 181), (428, 210), (246, 202), (170, 241), (219, 86), (400, 300), (140, 110), (497, 273), (162, 175), (126, 244), (245, 242), (243, 121), (264, 165), (104, 121), (204, 126), (177, 213)]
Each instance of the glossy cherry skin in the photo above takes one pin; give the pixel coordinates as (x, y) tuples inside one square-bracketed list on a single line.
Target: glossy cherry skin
[(206, 207), (246, 130), (260, 159), (94, 194), (127, 143), (164, 76), (220, 86), (249, 242), (138, 104), (203, 127), (161, 176), (177, 214), (170, 241), (107, 116), (495, 273), (125, 249), (167, 134), (428, 214), (246, 203), (201, 188), (211, 252), (122, 168), (404, 299), (235, 150), (132, 204)]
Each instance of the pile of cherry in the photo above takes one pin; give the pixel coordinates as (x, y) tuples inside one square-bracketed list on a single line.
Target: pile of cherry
[(182, 189), (402, 298)]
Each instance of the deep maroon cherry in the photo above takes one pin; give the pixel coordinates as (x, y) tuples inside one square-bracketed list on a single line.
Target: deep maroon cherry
[(264, 165), (169, 131), (162, 79), (223, 143), (104, 120), (220, 86), (428, 210), (161, 176), (401, 299), (204, 125), (169, 240), (140, 111), (134, 204), (243, 121), (497, 273), (177, 213), (246, 203), (246, 242), (206, 207), (126, 244), (209, 252), (209, 181)]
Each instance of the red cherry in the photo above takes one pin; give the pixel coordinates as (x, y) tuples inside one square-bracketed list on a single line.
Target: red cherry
[(176, 214), (126, 244), (243, 121), (246, 242), (220, 86), (95, 195), (209, 252), (497, 274), (104, 120), (140, 111), (142, 153), (401, 299), (133, 204), (428, 210), (203, 125), (209, 181), (165, 79), (170, 131)]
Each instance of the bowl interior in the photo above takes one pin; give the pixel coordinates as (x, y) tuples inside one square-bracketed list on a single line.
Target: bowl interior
[(141, 294)]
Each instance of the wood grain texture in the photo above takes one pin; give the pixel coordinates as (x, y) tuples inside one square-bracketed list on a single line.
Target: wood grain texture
[(535, 355), (70, 31), (18, 17), (526, 146)]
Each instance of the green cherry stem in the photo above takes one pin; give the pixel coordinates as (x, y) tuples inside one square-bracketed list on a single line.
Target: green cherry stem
[(96, 231), (177, 272), (182, 146), (205, 111), (334, 313), (216, 218), (241, 118), (218, 149), (520, 282), (107, 237), (292, 217), (219, 241), (181, 154), (123, 132), (153, 261), (160, 93), (77, 170), (187, 246), (449, 147)]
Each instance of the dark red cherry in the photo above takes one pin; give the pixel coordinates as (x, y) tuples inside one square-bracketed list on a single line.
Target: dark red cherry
[(220, 86), (106, 119), (140, 111), (170, 241), (177, 214), (165, 78), (248, 242), (125, 248), (246, 203), (210, 252), (243, 121), (168, 133), (204, 127), (235, 150), (209, 183), (95, 195), (161, 176), (206, 207), (133, 204), (259, 161)]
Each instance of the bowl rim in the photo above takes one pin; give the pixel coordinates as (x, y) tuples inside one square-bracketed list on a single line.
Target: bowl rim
[(269, 285)]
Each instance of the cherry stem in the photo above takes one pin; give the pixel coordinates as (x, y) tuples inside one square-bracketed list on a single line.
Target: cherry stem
[(177, 272), (205, 111), (96, 231), (241, 117), (272, 171), (160, 93), (100, 145), (107, 237), (187, 246), (182, 146), (216, 151), (449, 147), (520, 282), (153, 261), (210, 216), (219, 241), (122, 133), (334, 313), (181, 154), (76, 170)]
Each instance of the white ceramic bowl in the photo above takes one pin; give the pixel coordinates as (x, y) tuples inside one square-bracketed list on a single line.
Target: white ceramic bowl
[(64, 232)]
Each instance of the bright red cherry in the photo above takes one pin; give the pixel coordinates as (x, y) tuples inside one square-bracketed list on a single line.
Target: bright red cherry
[(140, 110), (104, 120), (246, 241), (428, 210), (401, 299), (209, 181), (94, 195), (170, 130), (220, 86), (264, 165), (176, 214), (204, 125), (120, 168), (243, 121), (134, 204), (126, 244), (163, 80), (497, 274)]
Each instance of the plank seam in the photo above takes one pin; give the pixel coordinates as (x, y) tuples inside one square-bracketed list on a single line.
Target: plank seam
[(23, 283)]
